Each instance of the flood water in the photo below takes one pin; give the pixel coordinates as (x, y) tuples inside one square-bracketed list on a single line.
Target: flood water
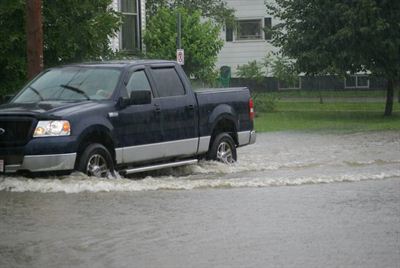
[(292, 200)]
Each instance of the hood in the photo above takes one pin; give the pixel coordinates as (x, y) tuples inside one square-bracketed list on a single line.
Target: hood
[(44, 108)]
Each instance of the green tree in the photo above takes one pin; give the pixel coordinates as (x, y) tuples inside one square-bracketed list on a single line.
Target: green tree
[(12, 45), (77, 30), (252, 70), (283, 69), (74, 31), (216, 10), (341, 36), (199, 39)]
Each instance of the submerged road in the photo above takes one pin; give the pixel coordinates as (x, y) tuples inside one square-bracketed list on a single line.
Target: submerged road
[(293, 200)]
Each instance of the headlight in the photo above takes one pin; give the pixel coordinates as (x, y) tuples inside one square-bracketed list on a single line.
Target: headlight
[(52, 128)]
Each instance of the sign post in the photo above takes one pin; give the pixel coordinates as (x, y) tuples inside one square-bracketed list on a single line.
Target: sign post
[(180, 53), (180, 56)]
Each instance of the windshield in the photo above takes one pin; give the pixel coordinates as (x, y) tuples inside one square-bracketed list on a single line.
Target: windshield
[(71, 84)]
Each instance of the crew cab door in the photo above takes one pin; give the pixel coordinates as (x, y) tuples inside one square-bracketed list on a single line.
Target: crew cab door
[(137, 126), (178, 111)]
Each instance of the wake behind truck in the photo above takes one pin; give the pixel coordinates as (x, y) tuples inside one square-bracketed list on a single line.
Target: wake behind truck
[(129, 116)]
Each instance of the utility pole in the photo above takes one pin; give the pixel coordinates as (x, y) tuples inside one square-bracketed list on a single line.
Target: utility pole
[(34, 37), (179, 31)]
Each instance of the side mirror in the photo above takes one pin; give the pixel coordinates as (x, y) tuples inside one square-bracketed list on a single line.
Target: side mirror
[(139, 97)]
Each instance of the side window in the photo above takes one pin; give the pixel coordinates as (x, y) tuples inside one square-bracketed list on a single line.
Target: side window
[(138, 81), (168, 82)]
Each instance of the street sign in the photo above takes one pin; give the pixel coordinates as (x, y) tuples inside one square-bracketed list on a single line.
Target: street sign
[(180, 56)]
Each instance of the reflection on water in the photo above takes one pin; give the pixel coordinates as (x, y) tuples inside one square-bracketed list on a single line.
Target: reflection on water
[(278, 159)]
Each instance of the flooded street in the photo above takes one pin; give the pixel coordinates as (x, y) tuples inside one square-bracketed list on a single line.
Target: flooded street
[(292, 200)]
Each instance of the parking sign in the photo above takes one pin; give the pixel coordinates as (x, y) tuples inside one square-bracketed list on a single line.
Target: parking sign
[(180, 56)]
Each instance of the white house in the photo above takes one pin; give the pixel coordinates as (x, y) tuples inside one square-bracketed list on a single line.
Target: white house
[(246, 43), (134, 21), (249, 41)]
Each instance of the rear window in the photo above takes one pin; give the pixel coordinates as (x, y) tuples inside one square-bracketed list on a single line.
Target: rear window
[(168, 82)]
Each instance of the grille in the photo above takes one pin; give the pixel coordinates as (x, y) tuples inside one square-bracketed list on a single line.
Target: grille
[(15, 131)]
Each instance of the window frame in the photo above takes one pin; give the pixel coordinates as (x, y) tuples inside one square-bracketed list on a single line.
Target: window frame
[(231, 34), (137, 33), (356, 84), (129, 76), (296, 86), (261, 32), (157, 89)]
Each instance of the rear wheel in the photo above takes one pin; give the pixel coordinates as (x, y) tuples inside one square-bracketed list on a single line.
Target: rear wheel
[(223, 149), (96, 161)]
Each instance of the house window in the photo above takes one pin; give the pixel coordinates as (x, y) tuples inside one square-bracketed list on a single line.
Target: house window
[(282, 85), (356, 81), (249, 30), (130, 26), (229, 33)]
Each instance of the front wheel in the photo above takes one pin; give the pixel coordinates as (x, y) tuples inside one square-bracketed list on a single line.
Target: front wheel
[(96, 161), (223, 149)]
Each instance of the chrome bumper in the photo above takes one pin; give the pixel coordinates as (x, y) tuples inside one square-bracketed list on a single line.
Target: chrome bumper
[(43, 163), (253, 137), (246, 137)]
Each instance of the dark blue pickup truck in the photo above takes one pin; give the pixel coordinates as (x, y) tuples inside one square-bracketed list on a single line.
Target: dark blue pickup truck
[(129, 116)]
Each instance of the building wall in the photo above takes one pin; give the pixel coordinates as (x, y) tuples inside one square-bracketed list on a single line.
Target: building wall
[(241, 52), (143, 20), (115, 41)]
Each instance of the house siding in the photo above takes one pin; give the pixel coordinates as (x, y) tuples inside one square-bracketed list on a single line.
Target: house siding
[(241, 52), (114, 42)]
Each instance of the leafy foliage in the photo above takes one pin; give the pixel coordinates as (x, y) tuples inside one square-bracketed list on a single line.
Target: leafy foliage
[(216, 10), (12, 45), (199, 39), (252, 70), (74, 30), (266, 104), (337, 37), (77, 30), (283, 69)]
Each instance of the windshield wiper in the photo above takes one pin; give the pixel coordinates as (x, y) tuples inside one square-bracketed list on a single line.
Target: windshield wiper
[(36, 92), (78, 90)]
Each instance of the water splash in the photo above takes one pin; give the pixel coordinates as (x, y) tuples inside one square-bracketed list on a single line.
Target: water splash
[(280, 159), (77, 182)]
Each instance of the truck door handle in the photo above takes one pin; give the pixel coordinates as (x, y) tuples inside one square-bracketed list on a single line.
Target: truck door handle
[(158, 109), (190, 107)]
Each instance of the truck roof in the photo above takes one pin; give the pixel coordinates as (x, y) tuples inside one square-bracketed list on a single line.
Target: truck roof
[(118, 63)]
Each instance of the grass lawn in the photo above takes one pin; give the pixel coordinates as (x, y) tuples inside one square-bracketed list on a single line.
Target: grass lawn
[(328, 116)]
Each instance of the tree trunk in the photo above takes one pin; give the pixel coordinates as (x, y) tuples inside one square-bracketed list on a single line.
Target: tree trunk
[(34, 34), (397, 85), (389, 97)]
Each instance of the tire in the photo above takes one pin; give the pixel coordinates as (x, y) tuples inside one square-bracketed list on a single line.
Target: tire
[(96, 161), (223, 149)]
